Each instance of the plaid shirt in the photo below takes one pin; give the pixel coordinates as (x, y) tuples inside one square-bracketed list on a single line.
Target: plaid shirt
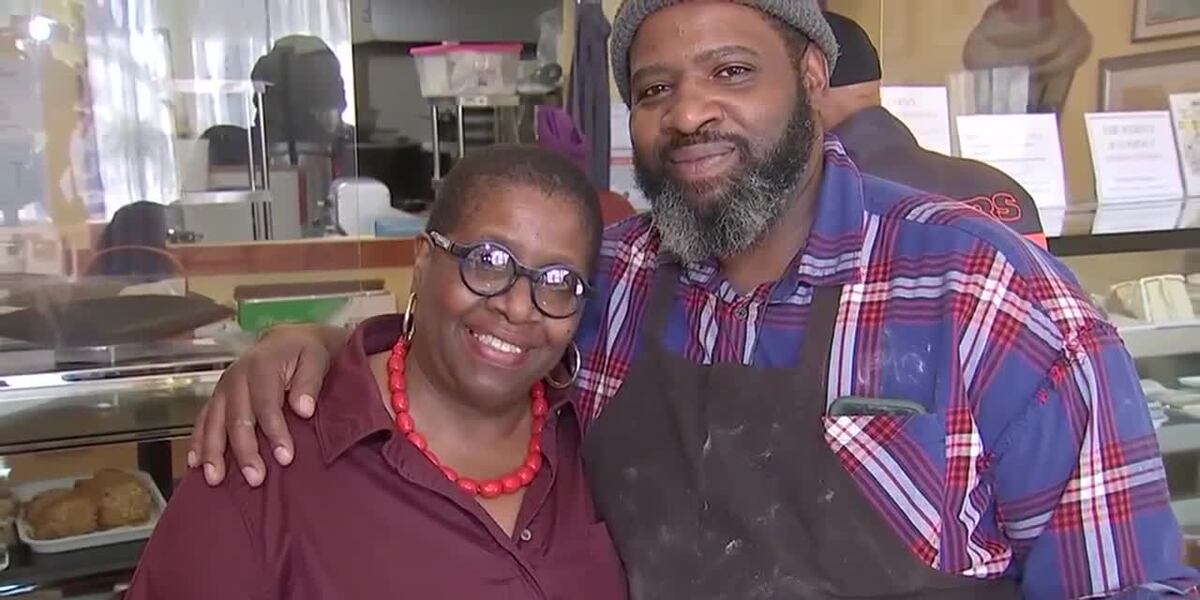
[(1036, 458)]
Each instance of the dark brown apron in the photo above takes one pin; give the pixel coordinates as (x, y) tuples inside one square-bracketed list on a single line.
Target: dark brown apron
[(717, 482)]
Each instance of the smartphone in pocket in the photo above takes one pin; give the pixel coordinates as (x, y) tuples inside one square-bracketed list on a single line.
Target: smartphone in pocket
[(860, 406)]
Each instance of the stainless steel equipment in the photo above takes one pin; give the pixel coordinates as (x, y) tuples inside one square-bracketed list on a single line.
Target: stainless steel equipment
[(500, 105), (108, 394), (231, 216)]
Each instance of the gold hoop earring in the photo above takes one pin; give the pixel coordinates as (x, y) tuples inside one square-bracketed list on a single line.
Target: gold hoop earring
[(561, 385), (409, 319)]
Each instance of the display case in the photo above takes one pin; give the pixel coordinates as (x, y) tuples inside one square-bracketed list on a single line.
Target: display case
[(172, 177), (1094, 109), (1148, 282), (130, 400)]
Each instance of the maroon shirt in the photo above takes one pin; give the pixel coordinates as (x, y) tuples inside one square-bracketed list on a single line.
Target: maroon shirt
[(363, 514)]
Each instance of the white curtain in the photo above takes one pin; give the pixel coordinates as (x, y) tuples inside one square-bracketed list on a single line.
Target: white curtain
[(137, 49), (225, 48), (129, 77)]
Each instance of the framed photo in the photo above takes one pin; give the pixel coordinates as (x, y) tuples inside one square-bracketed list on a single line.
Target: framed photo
[(1146, 81), (1153, 19)]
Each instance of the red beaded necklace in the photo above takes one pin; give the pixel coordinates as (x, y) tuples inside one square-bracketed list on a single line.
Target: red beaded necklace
[(492, 488)]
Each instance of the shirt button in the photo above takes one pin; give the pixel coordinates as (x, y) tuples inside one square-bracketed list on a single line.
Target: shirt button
[(526, 535), (741, 312)]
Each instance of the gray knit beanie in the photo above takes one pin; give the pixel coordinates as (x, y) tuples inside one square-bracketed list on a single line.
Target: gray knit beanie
[(804, 15)]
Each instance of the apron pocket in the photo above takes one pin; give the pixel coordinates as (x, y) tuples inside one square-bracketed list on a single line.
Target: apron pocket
[(899, 463), (862, 436)]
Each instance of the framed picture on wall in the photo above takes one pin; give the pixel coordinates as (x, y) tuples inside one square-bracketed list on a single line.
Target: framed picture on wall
[(1153, 19), (1146, 81)]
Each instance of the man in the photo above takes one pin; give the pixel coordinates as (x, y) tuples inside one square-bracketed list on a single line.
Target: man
[(803, 382), (881, 145)]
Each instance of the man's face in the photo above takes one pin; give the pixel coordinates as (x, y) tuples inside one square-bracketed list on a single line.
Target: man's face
[(721, 125)]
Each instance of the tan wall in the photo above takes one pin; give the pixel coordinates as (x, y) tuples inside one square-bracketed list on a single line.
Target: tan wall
[(567, 49), (921, 42), (610, 9), (867, 13)]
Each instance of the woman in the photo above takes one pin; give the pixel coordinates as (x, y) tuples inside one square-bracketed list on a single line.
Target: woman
[(446, 473)]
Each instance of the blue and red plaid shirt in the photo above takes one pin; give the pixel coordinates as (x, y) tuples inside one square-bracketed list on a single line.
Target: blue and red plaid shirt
[(1036, 459)]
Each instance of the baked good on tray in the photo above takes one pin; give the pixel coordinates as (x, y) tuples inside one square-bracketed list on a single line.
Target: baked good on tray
[(120, 498), (110, 498), (62, 515), (34, 508)]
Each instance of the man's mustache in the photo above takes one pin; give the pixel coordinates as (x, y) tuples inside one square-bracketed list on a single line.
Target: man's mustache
[(677, 142)]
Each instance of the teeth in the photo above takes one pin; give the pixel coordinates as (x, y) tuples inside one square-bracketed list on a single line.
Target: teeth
[(496, 343)]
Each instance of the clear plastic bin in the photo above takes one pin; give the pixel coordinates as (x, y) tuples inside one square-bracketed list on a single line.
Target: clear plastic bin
[(449, 70)]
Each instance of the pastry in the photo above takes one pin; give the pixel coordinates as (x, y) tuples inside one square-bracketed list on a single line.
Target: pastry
[(65, 516), (1167, 299), (35, 507), (1158, 299), (119, 497)]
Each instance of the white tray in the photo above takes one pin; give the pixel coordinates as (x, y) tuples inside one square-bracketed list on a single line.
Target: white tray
[(26, 492)]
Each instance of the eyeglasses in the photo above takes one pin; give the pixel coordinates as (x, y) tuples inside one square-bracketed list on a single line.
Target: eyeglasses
[(489, 269)]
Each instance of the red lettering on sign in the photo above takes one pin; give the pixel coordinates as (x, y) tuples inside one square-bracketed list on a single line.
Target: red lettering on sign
[(1002, 206), (1006, 208)]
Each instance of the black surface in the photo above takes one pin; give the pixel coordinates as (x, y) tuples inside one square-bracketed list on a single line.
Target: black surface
[(155, 459), (112, 320), (1118, 243), (37, 570)]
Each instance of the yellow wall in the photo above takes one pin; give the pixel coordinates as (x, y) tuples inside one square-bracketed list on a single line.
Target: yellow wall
[(610, 10), (921, 42), (867, 13), (567, 48)]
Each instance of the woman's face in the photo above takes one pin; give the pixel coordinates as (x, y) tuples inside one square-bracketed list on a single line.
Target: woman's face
[(490, 351)]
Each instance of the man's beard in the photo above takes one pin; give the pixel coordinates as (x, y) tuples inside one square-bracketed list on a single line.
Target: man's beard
[(722, 217)]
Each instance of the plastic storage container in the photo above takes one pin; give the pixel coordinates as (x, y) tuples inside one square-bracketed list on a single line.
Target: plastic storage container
[(449, 70)]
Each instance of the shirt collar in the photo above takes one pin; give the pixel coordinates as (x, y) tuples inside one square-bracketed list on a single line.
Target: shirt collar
[(355, 410), (833, 254)]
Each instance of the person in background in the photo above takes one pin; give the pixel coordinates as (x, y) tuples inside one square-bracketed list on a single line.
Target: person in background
[(133, 246), (802, 381), (557, 131), (445, 472), (301, 108), (881, 145)]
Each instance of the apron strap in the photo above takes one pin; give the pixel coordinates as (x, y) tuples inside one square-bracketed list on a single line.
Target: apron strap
[(662, 296), (818, 339)]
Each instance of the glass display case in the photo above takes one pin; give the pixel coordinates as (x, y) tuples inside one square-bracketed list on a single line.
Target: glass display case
[(1092, 108), (62, 418), (1148, 282), (174, 177)]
